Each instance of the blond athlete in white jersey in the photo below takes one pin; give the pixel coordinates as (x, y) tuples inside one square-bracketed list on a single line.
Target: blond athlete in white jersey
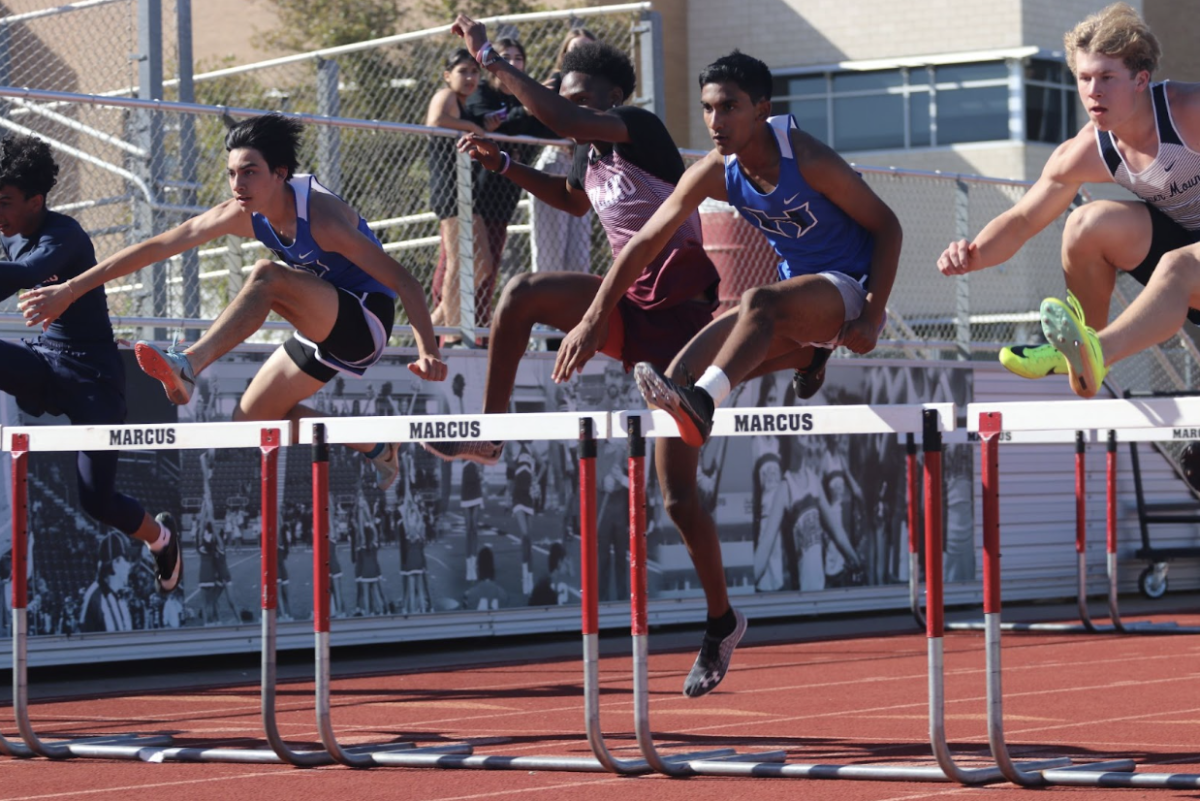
[(1141, 135)]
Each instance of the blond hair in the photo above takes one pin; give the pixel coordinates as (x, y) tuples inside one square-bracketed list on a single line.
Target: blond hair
[(1119, 32)]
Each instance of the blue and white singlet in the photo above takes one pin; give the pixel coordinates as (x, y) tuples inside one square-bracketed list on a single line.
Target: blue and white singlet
[(808, 231), (305, 254)]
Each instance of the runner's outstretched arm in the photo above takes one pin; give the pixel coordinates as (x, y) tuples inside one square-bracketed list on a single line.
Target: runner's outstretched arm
[(704, 179), (336, 230), (43, 306), (551, 189), (556, 112), (826, 172)]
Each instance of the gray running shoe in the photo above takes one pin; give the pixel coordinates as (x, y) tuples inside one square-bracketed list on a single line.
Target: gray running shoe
[(486, 452), (691, 407), (387, 466), (713, 661), (168, 563), (170, 367)]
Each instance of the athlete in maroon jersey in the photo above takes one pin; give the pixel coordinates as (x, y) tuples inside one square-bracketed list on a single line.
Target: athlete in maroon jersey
[(625, 166)]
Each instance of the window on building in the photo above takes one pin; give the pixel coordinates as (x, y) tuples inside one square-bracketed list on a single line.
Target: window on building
[(1050, 102), (914, 107)]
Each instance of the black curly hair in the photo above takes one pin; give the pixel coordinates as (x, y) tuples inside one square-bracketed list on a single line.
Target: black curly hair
[(749, 74), (27, 164), (275, 136), (602, 60)]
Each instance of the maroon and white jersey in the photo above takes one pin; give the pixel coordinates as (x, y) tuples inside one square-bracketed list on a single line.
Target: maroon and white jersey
[(626, 185)]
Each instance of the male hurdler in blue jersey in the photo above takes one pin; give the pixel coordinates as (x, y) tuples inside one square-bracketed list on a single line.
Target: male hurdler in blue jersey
[(839, 245), (73, 368), (333, 282)]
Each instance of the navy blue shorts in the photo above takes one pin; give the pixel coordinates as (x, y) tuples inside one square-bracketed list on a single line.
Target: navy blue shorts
[(87, 384), (1167, 235)]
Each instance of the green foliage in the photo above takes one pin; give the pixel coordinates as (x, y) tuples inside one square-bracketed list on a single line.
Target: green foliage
[(447, 10), (314, 24)]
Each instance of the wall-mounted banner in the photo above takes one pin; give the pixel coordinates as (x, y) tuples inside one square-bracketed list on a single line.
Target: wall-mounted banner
[(795, 513)]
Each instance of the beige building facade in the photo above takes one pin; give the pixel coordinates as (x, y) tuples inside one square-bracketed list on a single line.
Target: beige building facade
[(992, 49), (982, 73)]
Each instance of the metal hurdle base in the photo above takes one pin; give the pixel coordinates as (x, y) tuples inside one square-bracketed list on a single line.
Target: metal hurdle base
[(1083, 777), (883, 773), (577, 764)]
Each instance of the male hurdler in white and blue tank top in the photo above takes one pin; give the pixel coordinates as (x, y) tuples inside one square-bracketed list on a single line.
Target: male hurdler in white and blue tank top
[(333, 282), (838, 244), (1141, 135), (839, 247)]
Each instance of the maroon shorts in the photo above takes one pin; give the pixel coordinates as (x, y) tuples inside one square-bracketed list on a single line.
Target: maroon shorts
[(637, 335)]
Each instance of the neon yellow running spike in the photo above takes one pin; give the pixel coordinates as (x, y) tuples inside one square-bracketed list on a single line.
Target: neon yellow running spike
[(1066, 330), (1033, 361)]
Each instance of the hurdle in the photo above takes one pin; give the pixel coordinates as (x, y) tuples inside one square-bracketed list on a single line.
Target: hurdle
[(928, 419), (21, 441), (280, 751), (321, 432), (1086, 624), (991, 420)]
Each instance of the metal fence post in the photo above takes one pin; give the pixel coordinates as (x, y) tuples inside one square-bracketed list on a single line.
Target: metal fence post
[(962, 284), (329, 138), (188, 156), (466, 248), (649, 38), (147, 134)]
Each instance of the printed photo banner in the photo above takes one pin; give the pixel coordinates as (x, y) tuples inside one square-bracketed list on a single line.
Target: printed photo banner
[(795, 513)]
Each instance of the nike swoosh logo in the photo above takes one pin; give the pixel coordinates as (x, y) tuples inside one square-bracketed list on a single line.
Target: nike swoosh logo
[(1168, 168), (305, 255), (793, 197)]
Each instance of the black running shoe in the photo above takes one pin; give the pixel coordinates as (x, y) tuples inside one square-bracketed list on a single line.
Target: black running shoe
[(713, 662), (807, 380), (691, 407), (169, 561)]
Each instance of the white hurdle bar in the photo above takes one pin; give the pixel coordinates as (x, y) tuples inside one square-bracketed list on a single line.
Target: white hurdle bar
[(587, 426), (20, 442), (991, 420), (928, 419)]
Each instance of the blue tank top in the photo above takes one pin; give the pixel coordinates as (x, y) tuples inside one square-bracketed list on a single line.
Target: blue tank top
[(808, 231), (304, 252)]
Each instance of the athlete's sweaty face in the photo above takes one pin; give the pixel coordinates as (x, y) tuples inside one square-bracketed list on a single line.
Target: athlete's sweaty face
[(1107, 89), (252, 184), (731, 116), (19, 215)]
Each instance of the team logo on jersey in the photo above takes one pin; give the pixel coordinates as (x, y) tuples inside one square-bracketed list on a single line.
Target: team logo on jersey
[(315, 266), (610, 191), (1176, 188), (793, 223)]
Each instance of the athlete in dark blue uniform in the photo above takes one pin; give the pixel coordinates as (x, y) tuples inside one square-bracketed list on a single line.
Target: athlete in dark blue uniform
[(831, 232), (334, 283), (73, 368)]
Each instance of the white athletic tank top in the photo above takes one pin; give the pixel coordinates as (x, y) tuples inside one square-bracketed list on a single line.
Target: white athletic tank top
[(1172, 181)]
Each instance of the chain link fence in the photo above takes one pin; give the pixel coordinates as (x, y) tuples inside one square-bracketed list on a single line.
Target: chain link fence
[(130, 170), (929, 315), (82, 47)]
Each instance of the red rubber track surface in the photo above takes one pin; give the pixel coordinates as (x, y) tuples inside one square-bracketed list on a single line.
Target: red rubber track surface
[(861, 700)]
